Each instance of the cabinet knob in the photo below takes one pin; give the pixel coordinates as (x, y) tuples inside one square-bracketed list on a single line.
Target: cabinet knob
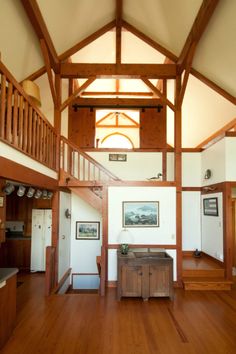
[(140, 273), (150, 273)]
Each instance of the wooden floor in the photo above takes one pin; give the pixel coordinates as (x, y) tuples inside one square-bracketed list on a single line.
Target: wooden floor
[(204, 262), (194, 322)]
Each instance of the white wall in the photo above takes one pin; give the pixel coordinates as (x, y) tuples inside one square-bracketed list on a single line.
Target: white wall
[(212, 230), (213, 158), (164, 234), (191, 221), (64, 235), (191, 169), (83, 252), (12, 154), (230, 152), (138, 167)]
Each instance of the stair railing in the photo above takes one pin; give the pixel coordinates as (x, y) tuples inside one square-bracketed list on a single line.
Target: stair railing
[(80, 165), (22, 124)]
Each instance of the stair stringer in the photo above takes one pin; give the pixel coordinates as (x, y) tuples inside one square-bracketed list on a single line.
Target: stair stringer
[(89, 197)]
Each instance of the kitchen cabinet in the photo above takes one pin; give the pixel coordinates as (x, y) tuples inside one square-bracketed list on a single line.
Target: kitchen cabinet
[(144, 274)]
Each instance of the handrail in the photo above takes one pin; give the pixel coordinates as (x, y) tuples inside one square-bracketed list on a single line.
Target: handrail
[(50, 270), (78, 168), (62, 281), (22, 124)]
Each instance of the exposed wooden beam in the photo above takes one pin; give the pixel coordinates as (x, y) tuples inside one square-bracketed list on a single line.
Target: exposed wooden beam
[(116, 93), (92, 37), (149, 41), (48, 69), (77, 92), (213, 86), (158, 93), (132, 71), (34, 14), (116, 102), (186, 74), (119, 5), (203, 17)]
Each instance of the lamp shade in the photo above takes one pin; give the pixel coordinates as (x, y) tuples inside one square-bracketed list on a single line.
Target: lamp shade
[(125, 237), (32, 90)]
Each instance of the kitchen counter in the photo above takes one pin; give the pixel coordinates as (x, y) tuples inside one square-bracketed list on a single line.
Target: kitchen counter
[(7, 303), (6, 273)]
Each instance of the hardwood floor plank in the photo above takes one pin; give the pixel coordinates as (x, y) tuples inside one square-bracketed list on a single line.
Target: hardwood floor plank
[(194, 322)]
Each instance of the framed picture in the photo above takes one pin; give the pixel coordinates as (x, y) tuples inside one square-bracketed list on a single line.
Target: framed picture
[(141, 214), (210, 206), (118, 157), (87, 230)]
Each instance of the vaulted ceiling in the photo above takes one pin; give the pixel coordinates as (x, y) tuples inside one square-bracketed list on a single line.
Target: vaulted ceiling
[(150, 31)]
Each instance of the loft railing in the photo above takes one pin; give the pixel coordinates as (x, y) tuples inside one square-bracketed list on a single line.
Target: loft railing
[(81, 166), (22, 125)]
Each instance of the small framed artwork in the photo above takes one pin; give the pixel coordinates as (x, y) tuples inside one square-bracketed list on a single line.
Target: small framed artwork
[(210, 206), (87, 230), (141, 214), (118, 157)]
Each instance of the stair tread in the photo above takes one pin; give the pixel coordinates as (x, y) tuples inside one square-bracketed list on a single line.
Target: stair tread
[(206, 279)]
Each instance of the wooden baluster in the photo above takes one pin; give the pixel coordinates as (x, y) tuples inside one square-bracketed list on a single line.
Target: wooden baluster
[(29, 147), (94, 173), (99, 174), (37, 138), (83, 169), (50, 149), (89, 164), (79, 169), (15, 119), (62, 155), (41, 140), (25, 125), (3, 106), (21, 114), (9, 113), (33, 146)]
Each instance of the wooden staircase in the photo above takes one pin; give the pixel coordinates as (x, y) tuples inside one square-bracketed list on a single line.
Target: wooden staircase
[(204, 273)]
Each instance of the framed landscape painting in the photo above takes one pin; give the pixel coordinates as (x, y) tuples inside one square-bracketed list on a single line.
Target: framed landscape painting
[(87, 230), (210, 206), (141, 214)]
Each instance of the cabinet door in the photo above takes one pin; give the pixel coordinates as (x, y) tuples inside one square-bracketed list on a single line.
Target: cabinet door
[(159, 280), (131, 281)]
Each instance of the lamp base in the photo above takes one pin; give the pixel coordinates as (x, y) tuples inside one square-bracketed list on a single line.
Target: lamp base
[(124, 248)]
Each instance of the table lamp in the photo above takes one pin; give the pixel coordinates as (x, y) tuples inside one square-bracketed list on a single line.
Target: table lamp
[(125, 238)]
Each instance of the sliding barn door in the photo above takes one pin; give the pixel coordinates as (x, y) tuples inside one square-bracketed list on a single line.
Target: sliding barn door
[(81, 129), (152, 128)]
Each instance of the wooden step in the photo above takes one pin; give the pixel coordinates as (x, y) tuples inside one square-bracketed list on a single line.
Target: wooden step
[(200, 273), (206, 283)]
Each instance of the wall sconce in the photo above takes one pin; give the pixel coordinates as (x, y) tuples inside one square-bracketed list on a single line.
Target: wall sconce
[(38, 194), (8, 189), (67, 214), (125, 238), (30, 192), (207, 174), (32, 90), (21, 191)]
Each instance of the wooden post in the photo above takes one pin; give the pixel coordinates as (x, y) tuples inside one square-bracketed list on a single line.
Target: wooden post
[(2, 211), (228, 230), (104, 255), (178, 178)]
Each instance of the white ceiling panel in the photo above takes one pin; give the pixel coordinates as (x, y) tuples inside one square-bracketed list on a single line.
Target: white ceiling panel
[(69, 21), (166, 21)]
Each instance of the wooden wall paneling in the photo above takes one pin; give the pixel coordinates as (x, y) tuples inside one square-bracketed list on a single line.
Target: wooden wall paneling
[(153, 128), (2, 211), (178, 178), (81, 130)]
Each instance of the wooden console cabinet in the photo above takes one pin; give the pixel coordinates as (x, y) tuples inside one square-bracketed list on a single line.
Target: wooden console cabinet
[(144, 274)]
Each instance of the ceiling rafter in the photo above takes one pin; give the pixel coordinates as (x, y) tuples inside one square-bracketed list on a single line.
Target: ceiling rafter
[(158, 93), (34, 14), (154, 71), (78, 91), (119, 8), (203, 17), (186, 74), (49, 70)]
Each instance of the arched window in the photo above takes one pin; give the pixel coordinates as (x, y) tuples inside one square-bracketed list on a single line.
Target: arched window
[(117, 140)]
